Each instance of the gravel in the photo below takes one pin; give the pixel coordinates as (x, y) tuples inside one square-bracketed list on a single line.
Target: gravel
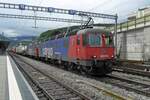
[(73, 79)]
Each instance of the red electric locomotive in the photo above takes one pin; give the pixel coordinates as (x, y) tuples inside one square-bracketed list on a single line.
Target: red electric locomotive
[(93, 50)]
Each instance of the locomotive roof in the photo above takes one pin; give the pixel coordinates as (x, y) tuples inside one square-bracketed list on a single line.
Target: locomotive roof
[(93, 30)]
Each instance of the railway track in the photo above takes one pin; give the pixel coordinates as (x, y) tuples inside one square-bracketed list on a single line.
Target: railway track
[(43, 93), (136, 86), (132, 71), (48, 87)]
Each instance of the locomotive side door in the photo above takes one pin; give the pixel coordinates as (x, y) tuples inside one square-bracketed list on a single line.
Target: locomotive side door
[(78, 42)]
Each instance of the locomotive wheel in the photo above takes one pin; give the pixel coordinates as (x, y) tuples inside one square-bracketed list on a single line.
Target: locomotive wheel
[(108, 67), (88, 69), (70, 67), (52, 62), (82, 71), (64, 66)]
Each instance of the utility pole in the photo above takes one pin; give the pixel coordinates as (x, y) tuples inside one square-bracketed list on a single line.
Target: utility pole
[(115, 31)]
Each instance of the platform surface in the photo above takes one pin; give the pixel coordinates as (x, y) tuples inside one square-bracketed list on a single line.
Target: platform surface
[(4, 94), (13, 85)]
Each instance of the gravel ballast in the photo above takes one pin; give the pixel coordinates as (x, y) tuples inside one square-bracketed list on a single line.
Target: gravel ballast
[(73, 80)]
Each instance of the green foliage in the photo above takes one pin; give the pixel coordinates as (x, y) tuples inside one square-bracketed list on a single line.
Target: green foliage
[(52, 33)]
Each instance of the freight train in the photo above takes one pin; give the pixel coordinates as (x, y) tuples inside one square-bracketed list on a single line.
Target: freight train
[(89, 51)]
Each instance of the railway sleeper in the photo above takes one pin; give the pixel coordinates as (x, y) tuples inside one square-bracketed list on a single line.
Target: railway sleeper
[(51, 88), (49, 85), (62, 92), (54, 89), (59, 93), (65, 97)]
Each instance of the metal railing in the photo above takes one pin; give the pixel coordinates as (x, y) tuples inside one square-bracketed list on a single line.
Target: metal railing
[(133, 24)]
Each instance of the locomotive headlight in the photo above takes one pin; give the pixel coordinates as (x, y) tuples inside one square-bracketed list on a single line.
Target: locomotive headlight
[(112, 56), (94, 56)]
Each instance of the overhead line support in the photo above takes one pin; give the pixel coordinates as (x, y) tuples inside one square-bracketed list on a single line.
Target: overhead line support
[(55, 10)]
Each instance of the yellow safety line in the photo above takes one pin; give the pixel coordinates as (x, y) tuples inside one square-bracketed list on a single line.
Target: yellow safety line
[(106, 91)]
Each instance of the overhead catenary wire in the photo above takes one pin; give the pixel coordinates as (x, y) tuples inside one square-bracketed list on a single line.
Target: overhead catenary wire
[(100, 5)]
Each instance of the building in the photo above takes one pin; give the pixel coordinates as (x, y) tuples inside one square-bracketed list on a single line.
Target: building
[(140, 13)]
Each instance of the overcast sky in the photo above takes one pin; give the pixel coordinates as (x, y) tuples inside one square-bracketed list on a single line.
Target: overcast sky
[(19, 27)]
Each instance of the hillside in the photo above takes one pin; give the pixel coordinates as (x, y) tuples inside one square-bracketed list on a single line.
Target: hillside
[(51, 33), (22, 38)]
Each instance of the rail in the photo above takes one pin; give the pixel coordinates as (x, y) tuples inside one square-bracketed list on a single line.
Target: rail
[(106, 91), (136, 86), (50, 79), (132, 71), (35, 86)]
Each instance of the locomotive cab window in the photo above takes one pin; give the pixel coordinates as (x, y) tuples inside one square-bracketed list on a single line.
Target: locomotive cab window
[(84, 38), (94, 40), (78, 40), (109, 40)]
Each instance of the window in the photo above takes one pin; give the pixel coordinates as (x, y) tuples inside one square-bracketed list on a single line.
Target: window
[(78, 40), (84, 39), (94, 40), (109, 40)]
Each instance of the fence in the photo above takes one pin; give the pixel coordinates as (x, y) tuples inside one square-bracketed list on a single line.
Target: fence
[(133, 24)]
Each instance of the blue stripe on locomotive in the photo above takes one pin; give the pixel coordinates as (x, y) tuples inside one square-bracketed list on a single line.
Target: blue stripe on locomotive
[(61, 50)]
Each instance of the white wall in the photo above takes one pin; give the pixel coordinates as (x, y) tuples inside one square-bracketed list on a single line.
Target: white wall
[(134, 44)]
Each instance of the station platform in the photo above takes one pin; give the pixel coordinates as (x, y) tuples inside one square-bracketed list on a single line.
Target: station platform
[(13, 85)]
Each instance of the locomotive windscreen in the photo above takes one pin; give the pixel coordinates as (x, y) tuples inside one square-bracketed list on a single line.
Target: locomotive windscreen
[(94, 40)]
